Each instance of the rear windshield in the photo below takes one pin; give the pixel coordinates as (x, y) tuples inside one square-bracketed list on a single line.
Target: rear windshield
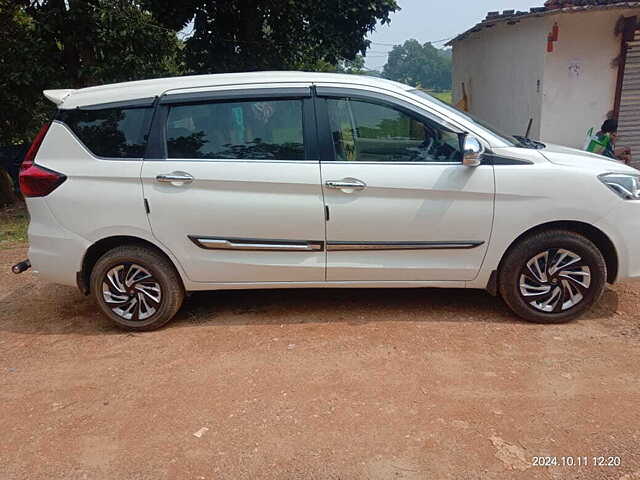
[(110, 132)]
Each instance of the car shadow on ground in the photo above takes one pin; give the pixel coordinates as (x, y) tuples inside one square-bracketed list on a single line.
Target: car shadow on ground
[(58, 310), (354, 306)]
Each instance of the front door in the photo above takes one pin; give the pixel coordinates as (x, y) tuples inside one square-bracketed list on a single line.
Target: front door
[(232, 181), (402, 207)]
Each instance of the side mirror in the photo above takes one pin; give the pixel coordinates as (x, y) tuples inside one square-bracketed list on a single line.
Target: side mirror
[(472, 151)]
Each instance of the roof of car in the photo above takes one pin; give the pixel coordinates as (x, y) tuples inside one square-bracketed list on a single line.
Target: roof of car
[(126, 91)]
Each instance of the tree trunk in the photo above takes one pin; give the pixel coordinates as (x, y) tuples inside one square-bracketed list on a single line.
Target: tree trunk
[(66, 36), (7, 194)]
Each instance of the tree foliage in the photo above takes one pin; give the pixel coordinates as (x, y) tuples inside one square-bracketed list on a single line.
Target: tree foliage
[(21, 75), (245, 35), (48, 44), (419, 65), (72, 44)]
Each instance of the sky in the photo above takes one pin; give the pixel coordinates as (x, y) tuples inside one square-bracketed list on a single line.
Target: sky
[(431, 20)]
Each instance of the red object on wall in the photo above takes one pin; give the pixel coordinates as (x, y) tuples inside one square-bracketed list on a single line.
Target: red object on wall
[(553, 37)]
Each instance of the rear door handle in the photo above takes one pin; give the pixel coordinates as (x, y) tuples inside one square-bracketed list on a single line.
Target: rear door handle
[(346, 184), (175, 178)]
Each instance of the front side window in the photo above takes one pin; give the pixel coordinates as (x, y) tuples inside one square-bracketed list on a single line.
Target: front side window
[(369, 132), (110, 132), (260, 130)]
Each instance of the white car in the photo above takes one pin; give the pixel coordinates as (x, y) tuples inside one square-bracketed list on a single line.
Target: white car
[(141, 192)]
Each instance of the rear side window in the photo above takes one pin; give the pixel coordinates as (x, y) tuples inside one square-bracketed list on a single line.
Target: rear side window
[(270, 130), (111, 132)]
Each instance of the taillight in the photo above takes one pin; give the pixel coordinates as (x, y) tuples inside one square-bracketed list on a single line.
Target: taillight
[(30, 156), (37, 181)]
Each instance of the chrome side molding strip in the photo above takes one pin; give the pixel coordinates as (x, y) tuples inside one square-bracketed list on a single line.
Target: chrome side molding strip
[(344, 246), (215, 243), (255, 244)]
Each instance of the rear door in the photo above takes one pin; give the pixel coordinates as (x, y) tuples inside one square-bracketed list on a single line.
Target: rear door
[(232, 180), (402, 206)]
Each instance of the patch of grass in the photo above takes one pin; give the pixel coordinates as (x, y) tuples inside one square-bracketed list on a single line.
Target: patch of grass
[(446, 97), (14, 221)]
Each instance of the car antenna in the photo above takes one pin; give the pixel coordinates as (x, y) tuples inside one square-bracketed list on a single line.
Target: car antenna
[(526, 135)]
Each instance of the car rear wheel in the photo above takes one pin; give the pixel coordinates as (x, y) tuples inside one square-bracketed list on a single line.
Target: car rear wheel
[(552, 277), (136, 287)]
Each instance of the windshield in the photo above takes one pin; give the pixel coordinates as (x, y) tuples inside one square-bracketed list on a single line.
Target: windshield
[(508, 139)]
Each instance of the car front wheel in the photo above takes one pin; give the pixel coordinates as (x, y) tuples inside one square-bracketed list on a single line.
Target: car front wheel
[(552, 277)]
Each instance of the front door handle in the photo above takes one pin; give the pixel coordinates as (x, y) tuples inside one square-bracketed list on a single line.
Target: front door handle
[(176, 178), (346, 184)]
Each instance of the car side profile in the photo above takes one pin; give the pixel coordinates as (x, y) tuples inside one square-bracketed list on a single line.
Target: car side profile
[(141, 192)]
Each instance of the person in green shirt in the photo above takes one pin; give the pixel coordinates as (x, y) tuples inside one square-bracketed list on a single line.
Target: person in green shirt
[(604, 143)]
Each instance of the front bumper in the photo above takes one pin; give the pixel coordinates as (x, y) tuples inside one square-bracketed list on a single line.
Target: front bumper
[(622, 226)]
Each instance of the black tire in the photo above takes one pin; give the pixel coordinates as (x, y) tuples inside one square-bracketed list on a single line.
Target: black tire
[(515, 278), (136, 262)]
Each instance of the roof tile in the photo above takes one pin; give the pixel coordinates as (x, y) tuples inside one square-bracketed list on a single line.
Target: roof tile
[(550, 6)]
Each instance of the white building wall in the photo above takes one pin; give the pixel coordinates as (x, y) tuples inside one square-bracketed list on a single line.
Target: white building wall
[(502, 68), (579, 78)]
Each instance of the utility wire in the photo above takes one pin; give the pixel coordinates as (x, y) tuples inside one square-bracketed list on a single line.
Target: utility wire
[(442, 40)]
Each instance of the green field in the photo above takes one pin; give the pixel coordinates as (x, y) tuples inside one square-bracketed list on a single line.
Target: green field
[(444, 96)]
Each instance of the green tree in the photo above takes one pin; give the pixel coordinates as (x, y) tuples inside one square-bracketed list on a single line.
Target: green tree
[(73, 44), (354, 67), (23, 68), (77, 43), (419, 65), (249, 35)]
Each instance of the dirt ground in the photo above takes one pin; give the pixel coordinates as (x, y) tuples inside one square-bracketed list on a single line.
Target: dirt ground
[(316, 384)]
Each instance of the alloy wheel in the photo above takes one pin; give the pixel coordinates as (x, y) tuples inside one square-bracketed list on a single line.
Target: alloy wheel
[(131, 292), (555, 280)]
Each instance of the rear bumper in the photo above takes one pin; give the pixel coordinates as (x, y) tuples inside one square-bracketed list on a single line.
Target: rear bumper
[(55, 253)]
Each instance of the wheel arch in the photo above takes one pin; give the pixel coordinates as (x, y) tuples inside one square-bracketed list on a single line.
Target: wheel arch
[(102, 246), (597, 236)]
